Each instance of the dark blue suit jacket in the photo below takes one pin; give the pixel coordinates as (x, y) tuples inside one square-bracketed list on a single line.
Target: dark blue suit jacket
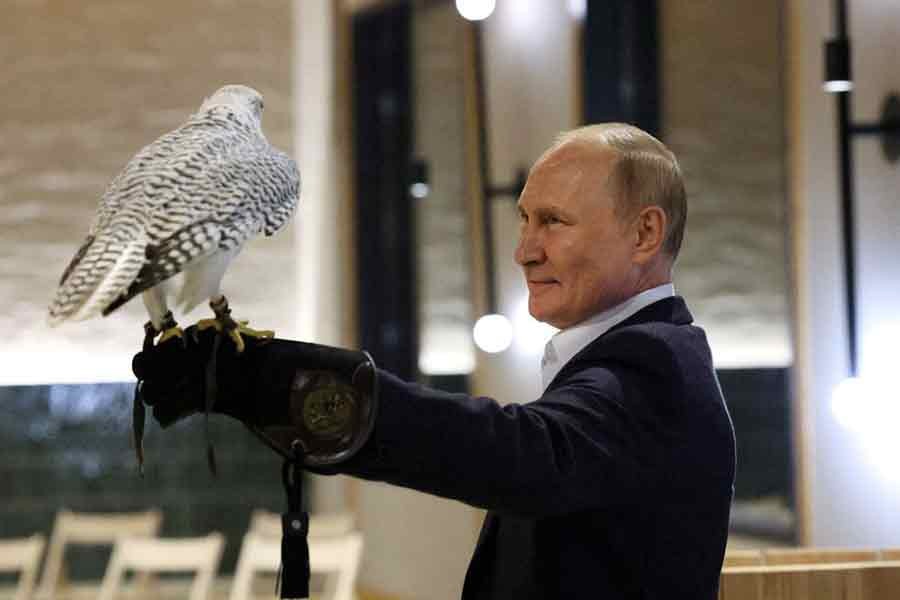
[(615, 484)]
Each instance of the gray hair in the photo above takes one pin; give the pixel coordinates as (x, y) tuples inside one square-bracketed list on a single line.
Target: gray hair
[(646, 173)]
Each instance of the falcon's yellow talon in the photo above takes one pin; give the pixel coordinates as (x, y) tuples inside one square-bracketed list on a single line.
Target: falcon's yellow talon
[(235, 336), (170, 333), (236, 329), (203, 324), (257, 333)]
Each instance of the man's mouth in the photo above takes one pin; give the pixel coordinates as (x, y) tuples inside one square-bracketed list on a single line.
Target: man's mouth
[(536, 285)]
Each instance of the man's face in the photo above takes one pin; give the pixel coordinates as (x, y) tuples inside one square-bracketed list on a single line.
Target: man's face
[(575, 253)]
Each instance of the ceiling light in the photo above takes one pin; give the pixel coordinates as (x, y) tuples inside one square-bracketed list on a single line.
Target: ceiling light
[(475, 10)]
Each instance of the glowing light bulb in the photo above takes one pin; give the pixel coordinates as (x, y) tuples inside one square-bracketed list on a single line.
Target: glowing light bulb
[(850, 404), (418, 190), (493, 333), (475, 10)]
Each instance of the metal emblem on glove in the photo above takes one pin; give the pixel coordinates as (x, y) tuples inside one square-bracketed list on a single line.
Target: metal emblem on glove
[(329, 408), (332, 412)]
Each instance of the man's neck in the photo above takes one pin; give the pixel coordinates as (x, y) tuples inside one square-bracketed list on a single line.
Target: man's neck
[(568, 342)]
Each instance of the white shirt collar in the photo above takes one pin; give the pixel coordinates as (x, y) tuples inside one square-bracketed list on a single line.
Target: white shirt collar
[(565, 344)]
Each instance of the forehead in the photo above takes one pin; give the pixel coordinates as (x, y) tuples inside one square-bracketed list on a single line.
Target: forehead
[(568, 174)]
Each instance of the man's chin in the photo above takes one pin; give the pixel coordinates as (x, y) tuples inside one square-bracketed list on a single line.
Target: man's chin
[(543, 314)]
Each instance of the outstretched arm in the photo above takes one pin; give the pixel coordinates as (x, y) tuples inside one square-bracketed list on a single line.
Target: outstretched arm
[(573, 448)]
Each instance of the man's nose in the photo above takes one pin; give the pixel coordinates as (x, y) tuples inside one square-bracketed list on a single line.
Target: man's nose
[(530, 249)]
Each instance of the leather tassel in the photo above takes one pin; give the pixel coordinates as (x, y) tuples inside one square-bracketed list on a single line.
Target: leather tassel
[(293, 578), (294, 555)]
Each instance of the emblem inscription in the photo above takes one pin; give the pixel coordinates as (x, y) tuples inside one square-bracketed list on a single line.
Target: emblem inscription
[(328, 410)]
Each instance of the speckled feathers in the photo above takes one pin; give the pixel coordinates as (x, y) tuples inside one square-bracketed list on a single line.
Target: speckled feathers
[(200, 190)]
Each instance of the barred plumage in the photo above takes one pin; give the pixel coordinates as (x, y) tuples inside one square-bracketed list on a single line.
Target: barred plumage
[(185, 203)]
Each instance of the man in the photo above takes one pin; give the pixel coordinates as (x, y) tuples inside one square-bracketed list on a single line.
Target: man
[(616, 483)]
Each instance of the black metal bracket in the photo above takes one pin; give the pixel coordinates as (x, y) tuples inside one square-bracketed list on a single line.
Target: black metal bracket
[(838, 68), (489, 192), (888, 128)]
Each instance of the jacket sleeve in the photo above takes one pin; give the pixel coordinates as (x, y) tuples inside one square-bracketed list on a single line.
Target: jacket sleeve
[(573, 448)]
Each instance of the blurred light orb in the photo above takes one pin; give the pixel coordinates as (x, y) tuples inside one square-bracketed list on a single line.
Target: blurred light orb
[(866, 406), (578, 9), (850, 404), (419, 190), (475, 10), (493, 333), (870, 410)]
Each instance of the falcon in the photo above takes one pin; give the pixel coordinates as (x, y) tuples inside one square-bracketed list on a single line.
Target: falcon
[(186, 204)]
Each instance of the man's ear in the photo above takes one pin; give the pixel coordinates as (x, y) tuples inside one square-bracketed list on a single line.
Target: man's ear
[(650, 233)]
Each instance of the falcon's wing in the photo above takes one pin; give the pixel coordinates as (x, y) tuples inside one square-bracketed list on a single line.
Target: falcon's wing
[(247, 190), (208, 185), (129, 184)]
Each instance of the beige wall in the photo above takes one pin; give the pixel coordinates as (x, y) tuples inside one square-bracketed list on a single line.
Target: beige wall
[(723, 116), (87, 84), (851, 483)]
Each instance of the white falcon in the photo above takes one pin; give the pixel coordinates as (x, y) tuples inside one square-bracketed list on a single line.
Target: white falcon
[(186, 203)]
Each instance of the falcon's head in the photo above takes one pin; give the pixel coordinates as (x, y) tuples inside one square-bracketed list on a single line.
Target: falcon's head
[(240, 97)]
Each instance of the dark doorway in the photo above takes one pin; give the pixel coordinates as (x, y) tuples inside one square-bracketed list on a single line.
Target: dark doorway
[(382, 149)]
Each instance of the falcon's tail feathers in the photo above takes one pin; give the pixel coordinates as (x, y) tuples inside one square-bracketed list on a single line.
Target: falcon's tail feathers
[(100, 272)]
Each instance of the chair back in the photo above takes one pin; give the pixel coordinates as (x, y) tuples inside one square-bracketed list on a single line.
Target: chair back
[(89, 529), (337, 557), (22, 556), (198, 555), (260, 553), (265, 523)]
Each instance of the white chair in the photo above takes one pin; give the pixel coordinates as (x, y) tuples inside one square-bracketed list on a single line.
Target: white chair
[(22, 556), (337, 557), (199, 555), (89, 529)]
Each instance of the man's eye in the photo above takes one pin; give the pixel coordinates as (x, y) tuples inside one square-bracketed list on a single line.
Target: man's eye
[(551, 220)]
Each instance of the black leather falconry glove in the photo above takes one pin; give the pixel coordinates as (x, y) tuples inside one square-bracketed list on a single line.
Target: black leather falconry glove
[(309, 402)]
